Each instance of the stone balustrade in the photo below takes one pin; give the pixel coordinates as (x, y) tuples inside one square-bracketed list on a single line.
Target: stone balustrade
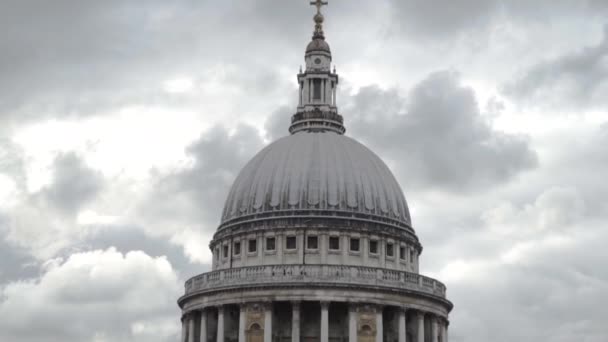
[(314, 274)]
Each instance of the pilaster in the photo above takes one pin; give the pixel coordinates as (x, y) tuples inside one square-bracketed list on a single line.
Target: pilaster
[(268, 322), (203, 337), (324, 321), (295, 321), (220, 323), (379, 325), (420, 330)]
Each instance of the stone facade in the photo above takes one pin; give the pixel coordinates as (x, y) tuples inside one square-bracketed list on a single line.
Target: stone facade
[(316, 242)]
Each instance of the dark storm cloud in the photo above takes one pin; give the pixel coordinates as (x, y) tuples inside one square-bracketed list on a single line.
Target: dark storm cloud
[(195, 194), (436, 136), (577, 80), (74, 184)]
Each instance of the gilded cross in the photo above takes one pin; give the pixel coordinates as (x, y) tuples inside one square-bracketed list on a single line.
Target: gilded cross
[(319, 4)]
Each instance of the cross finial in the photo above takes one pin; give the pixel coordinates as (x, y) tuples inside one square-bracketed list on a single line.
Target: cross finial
[(319, 4)]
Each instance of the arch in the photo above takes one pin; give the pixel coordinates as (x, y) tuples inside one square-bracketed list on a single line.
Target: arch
[(255, 327)]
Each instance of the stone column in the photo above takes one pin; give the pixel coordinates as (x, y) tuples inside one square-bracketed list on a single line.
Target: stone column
[(352, 323), (191, 326), (268, 322), (295, 321), (220, 323), (445, 330), (203, 326), (379, 325), (335, 96), (420, 332), (324, 321), (435, 328), (184, 329), (242, 322), (402, 325)]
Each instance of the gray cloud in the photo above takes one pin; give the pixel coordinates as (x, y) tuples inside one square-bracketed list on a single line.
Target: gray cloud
[(437, 137), (128, 238), (438, 19), (542, 261), (97, 295), (575, 80), (195, 193), (73, 185), (15, 263)]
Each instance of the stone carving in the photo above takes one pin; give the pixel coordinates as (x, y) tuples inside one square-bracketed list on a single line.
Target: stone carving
[(366, 324), (255, 322)]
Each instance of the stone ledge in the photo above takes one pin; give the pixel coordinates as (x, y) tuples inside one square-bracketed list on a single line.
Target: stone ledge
[(290, 275)]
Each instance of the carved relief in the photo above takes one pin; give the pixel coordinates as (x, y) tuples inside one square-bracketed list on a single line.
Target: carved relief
[(255, 323), (366, 324)]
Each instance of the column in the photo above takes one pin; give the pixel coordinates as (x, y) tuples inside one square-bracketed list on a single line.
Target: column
[(295, 321), (402, 325), (324, 321), (220, 323), (184, 330), (203, 326), (191, 326), (379, 325), (435, 327), (445, 330), (268, 322), (420, 332), (352, 323), (334, 91), (242, 322)]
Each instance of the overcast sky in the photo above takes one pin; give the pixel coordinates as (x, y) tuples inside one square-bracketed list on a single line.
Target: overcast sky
[(123, 124)]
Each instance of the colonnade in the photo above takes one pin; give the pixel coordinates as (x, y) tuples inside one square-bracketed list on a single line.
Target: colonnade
[(366, 323)]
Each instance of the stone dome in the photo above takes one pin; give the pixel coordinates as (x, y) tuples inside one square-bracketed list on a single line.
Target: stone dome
[(318, 45), (317, 174)]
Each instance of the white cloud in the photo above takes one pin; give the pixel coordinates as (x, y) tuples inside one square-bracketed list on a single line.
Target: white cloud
[(97, 295)]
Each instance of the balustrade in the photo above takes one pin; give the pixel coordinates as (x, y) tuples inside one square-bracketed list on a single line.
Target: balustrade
[(335, 274)]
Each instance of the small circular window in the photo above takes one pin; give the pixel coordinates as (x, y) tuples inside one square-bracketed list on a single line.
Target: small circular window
[(318, 61)]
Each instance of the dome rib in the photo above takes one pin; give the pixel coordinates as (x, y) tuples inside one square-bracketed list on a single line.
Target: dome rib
[(316, 171)]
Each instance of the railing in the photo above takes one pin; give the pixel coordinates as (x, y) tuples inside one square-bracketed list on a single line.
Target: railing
[(311, 274)]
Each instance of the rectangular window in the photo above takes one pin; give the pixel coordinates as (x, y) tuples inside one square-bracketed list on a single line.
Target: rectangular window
[(270, 243), (217, 253), (411, 255), (253, 246), (354, 244), (334, 243), (389, 250), (373, 246), (290, 242), (402, 253), (312, 242), (237, 248), (225, 251), (316, 84)]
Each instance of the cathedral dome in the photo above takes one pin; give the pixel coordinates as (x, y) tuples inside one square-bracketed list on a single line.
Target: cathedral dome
[(316, 174)]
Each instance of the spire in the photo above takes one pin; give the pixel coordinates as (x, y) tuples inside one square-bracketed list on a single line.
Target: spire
[(319, 19), (317, 110)]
